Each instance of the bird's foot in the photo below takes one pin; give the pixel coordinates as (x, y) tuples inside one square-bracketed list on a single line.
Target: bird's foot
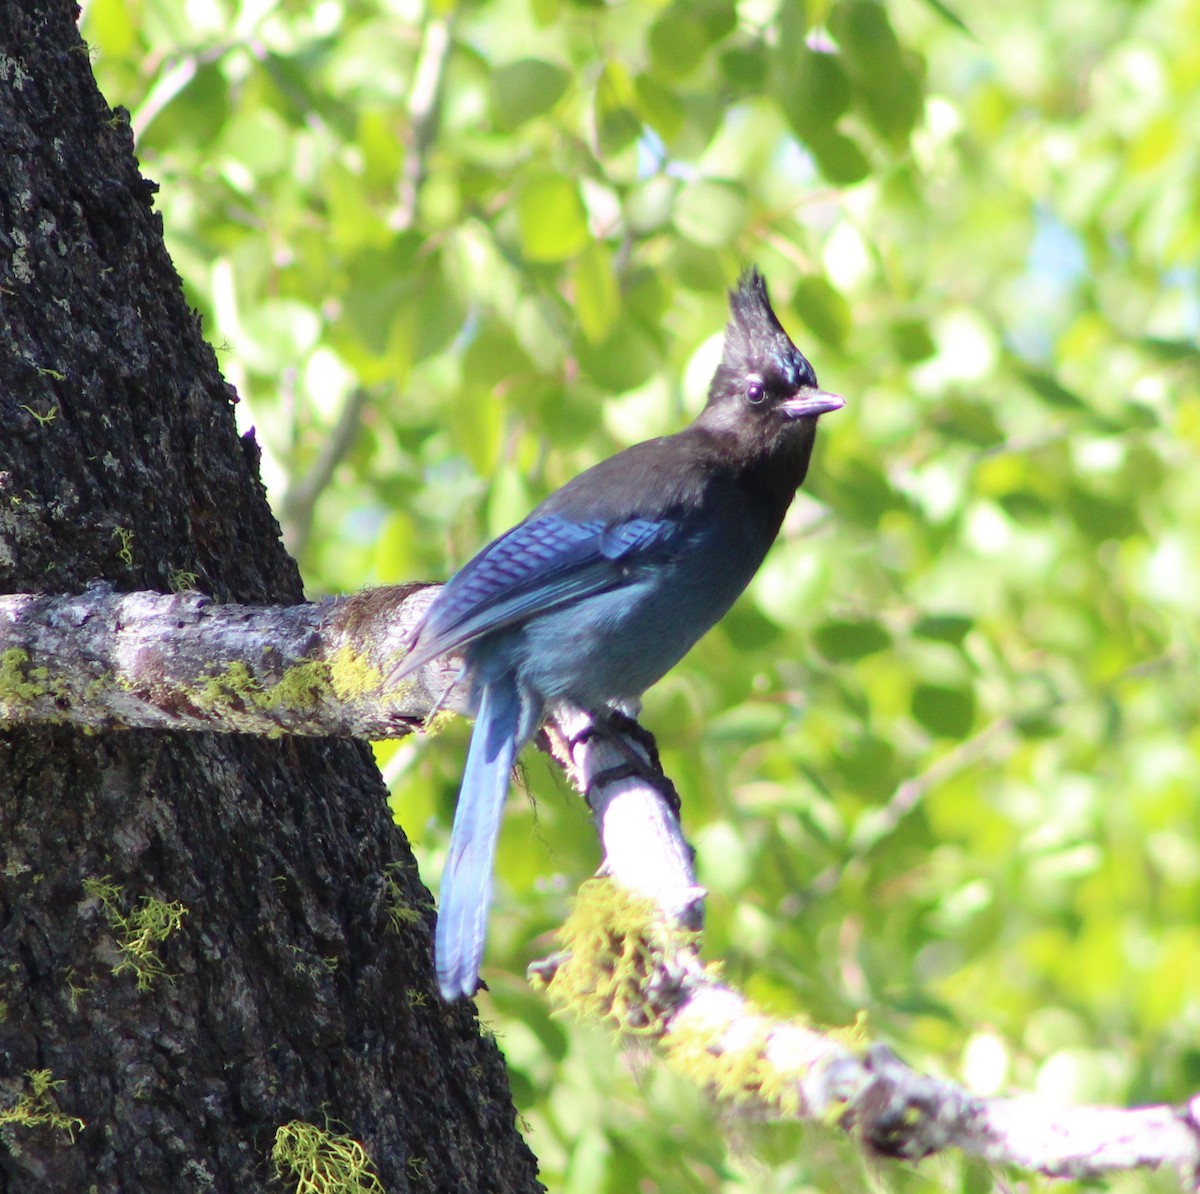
[(639, 749)]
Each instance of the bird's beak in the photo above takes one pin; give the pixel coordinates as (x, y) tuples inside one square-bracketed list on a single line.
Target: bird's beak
[(808, 403)]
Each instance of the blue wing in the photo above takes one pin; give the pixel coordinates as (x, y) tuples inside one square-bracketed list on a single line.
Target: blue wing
[(536, 566)]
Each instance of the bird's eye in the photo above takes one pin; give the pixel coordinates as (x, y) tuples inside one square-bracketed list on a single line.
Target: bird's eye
[(755, 392)]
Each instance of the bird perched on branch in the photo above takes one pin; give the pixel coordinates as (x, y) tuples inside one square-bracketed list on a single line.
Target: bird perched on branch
[(609, 582)]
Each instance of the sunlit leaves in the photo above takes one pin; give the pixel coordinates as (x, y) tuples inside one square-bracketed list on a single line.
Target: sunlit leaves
[(551, 217), (711, 213), (983, 606), (524, 89)]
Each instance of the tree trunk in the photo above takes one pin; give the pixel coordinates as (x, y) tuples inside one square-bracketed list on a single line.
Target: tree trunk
[(202, 938)]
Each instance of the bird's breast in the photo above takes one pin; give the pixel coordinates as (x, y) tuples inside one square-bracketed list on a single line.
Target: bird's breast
[(615, 644)]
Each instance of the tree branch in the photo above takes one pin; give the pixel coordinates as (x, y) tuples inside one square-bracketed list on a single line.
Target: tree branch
[(107, 660), (104, 660), (631, 959)]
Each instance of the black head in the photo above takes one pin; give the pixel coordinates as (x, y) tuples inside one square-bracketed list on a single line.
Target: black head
[(762, 374)]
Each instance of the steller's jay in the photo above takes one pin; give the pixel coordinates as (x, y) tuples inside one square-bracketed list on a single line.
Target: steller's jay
[(609, 582)]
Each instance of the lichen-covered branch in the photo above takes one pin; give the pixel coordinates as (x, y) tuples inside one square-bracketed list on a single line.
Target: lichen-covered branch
[(104, 660), (630, 959)]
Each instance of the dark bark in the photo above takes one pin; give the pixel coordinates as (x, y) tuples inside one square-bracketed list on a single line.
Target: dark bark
[(287, 992)]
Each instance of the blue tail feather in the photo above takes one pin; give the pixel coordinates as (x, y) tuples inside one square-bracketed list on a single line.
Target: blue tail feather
[(466, 880)]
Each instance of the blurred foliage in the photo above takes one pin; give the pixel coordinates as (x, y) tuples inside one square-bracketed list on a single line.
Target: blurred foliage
[(939, 762)]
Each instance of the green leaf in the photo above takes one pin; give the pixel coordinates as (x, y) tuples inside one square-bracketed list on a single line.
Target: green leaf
[(277, 335), (625, 358), (838, 157), (970, 422), (375, 284), (1100, 517), (846, 641), (1047, 387), (946, 712), (912, 340), (551, 218), (888, 81), (866, 37), (617, 124), (524, 89), (711, 213), (195, 115), (745, 67), (868, 765), (824, 310), (944, 628), (659, 107), (677, 43), (1025, 506), (597, 299), (812, 89), (494, 358), (860, 491), (950, 17), (683, 33)]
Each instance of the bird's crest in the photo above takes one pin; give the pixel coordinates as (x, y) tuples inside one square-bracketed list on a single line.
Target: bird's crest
[(756, 344), (750, 305)]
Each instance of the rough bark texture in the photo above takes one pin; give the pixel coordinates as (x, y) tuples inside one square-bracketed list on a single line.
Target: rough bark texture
[(287, 992)]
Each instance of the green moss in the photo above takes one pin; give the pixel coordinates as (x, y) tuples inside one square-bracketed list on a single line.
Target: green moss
[(316, 1161), (138, 932), (38, 1108)]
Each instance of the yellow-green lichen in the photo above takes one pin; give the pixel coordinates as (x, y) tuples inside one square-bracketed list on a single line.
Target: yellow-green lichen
[(37, 1107), (179, 580), (614, 943), (42, 419), (401, 912), (300, 688), (125, 536), (352, 676), (15, 686), (227, 690), (22, 685), (735, 1072), (315, 1160), (617, 945), (140, 931)]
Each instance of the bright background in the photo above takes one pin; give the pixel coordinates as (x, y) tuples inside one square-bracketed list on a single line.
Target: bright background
[(940, 762)]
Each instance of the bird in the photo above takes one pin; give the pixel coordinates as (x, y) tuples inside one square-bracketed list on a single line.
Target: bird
[(609, 582)]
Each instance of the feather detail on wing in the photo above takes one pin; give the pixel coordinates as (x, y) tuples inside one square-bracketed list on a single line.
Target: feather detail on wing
[(538, 565)]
